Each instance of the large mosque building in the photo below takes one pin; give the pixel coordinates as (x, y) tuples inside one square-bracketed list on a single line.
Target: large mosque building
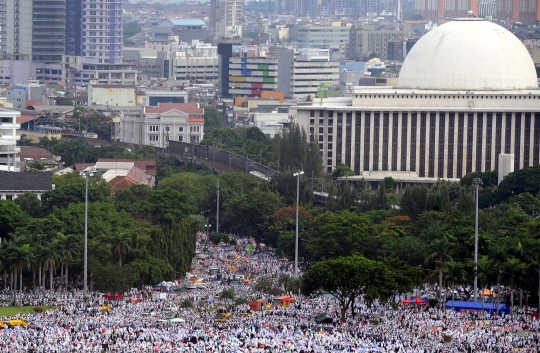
[(467, 93)]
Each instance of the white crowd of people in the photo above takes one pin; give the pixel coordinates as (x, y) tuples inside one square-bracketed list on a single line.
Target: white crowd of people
[(77, 325)]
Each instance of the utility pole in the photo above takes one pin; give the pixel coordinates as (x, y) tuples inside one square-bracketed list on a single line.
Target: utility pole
[(217, 208), (477, 182), (297, 175)]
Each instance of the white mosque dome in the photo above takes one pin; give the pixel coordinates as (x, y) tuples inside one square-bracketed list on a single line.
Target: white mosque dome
[(468, 54)]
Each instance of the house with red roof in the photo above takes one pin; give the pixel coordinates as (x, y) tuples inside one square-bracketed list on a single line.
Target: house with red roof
[(155, 126), (122, 174)]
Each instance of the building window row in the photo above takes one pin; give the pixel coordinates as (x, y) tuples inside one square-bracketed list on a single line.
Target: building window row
[(467, 96), (433, 144)]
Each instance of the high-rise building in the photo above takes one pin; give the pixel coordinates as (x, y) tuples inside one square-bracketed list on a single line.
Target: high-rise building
[(329, 35), (226, 19), (225, 53), (298, 8), (364, 43), (487, 8), (48, 30), (95, 43), (103, 30), (74, 27), (16, 29), (379, 8), (32, 29), (439, 9), (524, 11)]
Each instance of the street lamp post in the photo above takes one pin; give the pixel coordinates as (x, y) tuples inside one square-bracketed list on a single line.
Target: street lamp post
[(85, 276), (477, 182), (297, 175)]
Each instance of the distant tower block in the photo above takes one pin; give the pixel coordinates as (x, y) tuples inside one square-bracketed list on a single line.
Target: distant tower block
[(506, 165)]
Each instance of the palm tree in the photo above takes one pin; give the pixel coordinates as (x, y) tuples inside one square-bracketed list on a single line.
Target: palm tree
[(455, 273), (72, 247), (52, 254), (498, 257), (439, 252), (121, 247), (18, 252), (513, 269), (485, 274)]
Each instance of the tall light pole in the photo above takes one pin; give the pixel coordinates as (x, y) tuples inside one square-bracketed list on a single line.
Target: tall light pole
[(217, 208), (477, 182), (85, 256), (297, 175)]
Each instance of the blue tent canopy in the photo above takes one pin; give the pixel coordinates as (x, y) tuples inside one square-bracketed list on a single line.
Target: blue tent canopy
[(477, 306)]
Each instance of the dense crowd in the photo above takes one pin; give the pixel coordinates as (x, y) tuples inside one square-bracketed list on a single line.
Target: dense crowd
[(77, 325)]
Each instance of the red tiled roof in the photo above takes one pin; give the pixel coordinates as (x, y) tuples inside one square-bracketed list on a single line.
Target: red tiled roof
[(31, 103), (35, 153), (24, 118), (122, 183)]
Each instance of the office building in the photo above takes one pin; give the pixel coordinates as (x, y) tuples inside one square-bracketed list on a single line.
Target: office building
[(185, 29), (311, 69), (226, 19), (99, 53), (250, 76), (48, 30), (395, 51), (296, 76), (364, 43), (298, 8), (376, 8), (32, 30), (225, 53), (524, 11), (487, 8), (190, 69), (510, 11), (467, 93), (331, 35), (439, 9), (8, 140), (74, 28)]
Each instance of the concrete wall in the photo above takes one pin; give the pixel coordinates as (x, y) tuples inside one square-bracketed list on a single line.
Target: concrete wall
[(122, 96)]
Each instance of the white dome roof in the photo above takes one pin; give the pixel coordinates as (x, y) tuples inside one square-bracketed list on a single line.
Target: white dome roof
[(468, 54)]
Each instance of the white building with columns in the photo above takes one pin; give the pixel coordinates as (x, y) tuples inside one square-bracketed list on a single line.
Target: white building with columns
[(155, 126), (8, 140), (467, 92)]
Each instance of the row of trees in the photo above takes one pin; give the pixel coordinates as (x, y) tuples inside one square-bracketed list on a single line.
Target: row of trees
[(135, 237)]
